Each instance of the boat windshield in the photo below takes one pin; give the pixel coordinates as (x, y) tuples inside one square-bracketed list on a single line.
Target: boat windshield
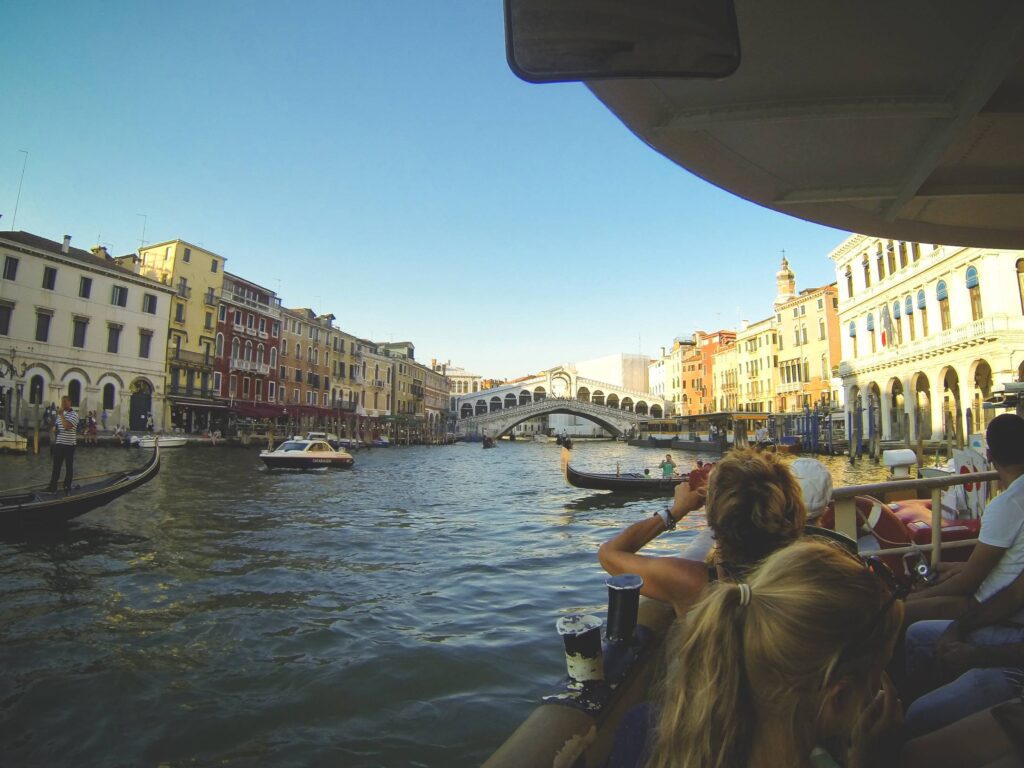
[(292, 445)]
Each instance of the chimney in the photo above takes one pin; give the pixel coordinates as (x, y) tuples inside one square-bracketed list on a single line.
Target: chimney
[(100, 251), (67, 244)]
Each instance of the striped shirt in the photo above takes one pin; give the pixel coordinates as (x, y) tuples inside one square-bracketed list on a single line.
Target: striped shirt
[(67, 436)]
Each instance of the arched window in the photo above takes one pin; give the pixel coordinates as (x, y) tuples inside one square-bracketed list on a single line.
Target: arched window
[(880, 262), (218, 345), (75, 392), (853, 337), (235, 348), (316, 357), (897, 324), (908, 309), (890, 252), (35, 390), (871, 330), (273, 357), (942, 296), (298, 351), (259, 353), (849, 284), (248, 350), (867, 271), (903, 255), (922, 304), (109, 396), (974, 291), (1020, 282)]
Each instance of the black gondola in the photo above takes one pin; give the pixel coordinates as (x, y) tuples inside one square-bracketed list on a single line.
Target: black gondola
[(40, 507), (631, 482)]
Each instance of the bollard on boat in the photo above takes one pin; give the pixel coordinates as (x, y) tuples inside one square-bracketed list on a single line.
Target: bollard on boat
[(623, 604)]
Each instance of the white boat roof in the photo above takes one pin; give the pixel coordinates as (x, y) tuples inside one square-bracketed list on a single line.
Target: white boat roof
[(894, 119)]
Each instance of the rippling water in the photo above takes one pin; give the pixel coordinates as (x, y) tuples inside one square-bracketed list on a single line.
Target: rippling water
[(398, 614)]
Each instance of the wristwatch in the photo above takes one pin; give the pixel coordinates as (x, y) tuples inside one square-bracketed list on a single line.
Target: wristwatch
[(666, 518)]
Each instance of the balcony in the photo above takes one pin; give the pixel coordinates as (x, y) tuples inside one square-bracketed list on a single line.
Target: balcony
[(251, 332), (184, 292), (210, 299), (272, 309), (263, 334), (249, 366), (189, 358), (1004, 330), (180, 390)]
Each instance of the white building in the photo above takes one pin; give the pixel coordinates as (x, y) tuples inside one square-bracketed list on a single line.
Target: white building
[(927, 333), (75, 323)]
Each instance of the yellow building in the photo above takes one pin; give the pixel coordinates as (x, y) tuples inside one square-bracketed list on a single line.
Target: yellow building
[(197, 276), (757, 366), (725, 370), (808, 344)]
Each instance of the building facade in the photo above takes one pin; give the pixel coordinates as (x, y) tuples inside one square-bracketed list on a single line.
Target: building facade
[(197, 277), (77, 323), (927, 332), (246, 349), (808, 347)]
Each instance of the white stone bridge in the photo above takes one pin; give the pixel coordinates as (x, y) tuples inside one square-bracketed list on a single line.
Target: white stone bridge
[(498, 422)]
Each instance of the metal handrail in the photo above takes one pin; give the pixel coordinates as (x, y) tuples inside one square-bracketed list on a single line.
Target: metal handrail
[(846, 509)]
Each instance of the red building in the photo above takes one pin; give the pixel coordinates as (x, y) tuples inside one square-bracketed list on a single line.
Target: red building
[(247, 343)]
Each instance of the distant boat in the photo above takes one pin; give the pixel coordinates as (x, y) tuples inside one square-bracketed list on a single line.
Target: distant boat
[(166, 441), (34, 508), (11, 441), (632, 482)]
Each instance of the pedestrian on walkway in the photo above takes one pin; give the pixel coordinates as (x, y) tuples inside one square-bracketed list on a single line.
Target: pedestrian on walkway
[(103, 419), (66, 437)]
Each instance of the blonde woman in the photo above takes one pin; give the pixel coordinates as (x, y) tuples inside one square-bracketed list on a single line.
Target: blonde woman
[(754, 506), (784, 669)]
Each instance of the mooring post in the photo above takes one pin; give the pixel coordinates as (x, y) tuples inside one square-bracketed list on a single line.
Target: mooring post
[(584, 660), (623, 606)]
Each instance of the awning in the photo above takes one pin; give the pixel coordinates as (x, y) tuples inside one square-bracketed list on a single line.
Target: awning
[(194, 403), (258, 410)]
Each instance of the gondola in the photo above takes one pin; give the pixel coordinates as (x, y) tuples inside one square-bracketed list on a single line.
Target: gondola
[(631, 482), (39, 507)]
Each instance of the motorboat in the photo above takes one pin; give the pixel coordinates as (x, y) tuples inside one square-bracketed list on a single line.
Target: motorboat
[(30, 508), (166, 441), (11, 441), (306, 454)]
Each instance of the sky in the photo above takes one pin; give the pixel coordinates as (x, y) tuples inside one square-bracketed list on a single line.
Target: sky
[(379, 161)]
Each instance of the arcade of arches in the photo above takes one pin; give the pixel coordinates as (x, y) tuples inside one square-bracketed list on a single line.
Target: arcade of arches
[(927, 404), (511, 399)]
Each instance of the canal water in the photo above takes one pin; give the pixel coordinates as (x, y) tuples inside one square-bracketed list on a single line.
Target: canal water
[(399, 614)]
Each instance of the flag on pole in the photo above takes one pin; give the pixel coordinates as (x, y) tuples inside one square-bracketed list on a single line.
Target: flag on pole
[(887, 338)]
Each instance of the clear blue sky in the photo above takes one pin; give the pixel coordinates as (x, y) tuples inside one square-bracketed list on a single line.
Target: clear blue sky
[(378, 160)]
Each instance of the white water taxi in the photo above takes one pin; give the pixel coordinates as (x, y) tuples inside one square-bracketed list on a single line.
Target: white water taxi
[(306, 454)]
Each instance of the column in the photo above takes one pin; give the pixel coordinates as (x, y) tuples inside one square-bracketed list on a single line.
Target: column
[(885, 405), (910, 408), (938, 406)]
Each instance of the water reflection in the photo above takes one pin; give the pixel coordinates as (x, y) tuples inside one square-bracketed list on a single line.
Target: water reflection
[(401, 613)]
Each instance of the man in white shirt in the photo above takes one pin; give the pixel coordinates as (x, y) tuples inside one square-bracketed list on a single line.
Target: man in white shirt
[(998, 558)]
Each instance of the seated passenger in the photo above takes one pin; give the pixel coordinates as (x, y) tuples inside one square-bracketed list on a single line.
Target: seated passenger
[(783, 670), (981, 653), (754, 506), (998, 558), (816, 483)]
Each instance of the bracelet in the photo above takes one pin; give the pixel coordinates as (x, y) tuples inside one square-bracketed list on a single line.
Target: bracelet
[(666, 518)]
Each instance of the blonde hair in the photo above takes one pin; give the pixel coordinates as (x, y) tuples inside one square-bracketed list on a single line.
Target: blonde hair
[(732, 664), (754, 505)]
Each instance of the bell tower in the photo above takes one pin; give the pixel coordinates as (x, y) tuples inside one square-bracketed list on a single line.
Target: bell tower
[(785, 282)]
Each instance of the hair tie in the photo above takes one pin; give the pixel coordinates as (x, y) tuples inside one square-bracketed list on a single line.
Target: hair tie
[(745, 593)]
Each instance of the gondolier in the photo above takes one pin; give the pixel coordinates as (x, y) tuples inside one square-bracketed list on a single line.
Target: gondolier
[(66, 427)]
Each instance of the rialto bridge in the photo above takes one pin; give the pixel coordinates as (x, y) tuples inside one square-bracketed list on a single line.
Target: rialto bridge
[(497, 410)]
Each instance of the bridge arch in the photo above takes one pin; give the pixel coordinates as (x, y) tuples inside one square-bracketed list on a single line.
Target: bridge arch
[(495, 404), (598, 397), (583, 395), (510, 400), (500, 421), (525, 397)]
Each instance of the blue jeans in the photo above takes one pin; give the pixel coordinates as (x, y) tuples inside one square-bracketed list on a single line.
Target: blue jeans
[(977, 689)]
